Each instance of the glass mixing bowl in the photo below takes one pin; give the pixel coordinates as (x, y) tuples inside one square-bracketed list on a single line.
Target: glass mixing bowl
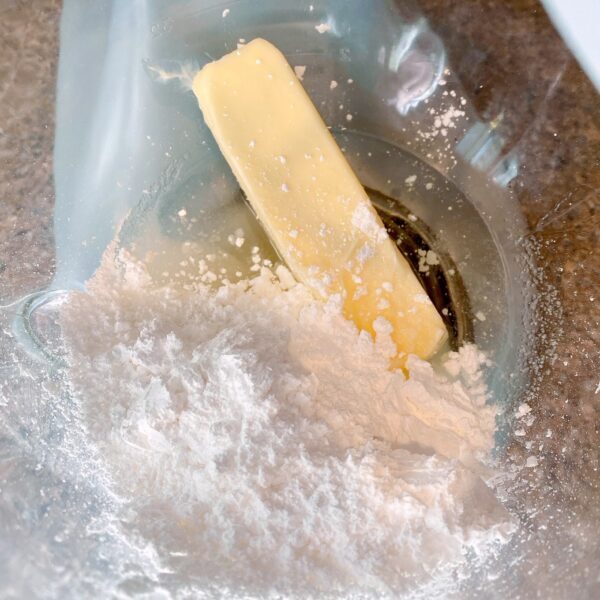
[(473, 144)]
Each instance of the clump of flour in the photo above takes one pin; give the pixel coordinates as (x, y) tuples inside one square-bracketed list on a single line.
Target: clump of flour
[(264, 447)]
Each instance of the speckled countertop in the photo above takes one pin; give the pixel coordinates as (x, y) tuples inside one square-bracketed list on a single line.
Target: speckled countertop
[(514, 60), (557, 119)]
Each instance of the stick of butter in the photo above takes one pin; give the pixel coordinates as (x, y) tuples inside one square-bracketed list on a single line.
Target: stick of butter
[(309, 200)]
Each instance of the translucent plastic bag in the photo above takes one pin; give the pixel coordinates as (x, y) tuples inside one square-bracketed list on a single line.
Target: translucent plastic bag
[(132, 151), (127, 129)]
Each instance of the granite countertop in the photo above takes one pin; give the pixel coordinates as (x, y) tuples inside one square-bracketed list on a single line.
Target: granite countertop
[(515, 60), (558, 121)]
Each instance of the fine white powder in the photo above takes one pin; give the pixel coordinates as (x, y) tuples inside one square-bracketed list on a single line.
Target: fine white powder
[(365, 221), (264, 447)]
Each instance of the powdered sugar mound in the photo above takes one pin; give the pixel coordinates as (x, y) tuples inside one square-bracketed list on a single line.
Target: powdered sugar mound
[(265, 447)]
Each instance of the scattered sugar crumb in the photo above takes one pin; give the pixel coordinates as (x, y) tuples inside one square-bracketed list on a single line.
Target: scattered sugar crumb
[(237, 239), (383, 304), (365, 253), (427, 259), (431, 258), (300, 70), (365, 221)]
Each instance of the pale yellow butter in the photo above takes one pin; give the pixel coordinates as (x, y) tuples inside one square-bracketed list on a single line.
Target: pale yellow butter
[(308, 199)]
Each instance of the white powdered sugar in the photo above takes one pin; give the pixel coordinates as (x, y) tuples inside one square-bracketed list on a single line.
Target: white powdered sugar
[(365, 221), (265, 448), (323, 27)]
